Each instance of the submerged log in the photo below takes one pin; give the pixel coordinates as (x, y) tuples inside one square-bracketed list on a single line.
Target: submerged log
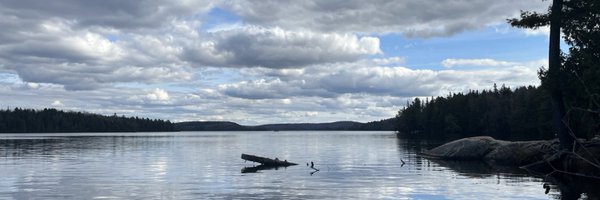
[(267, 161)]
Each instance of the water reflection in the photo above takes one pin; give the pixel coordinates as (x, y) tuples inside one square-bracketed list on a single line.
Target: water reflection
[(258, 168), (206, 165), (573, 187), (556, 186)]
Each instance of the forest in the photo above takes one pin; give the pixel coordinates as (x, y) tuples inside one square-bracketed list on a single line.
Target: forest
[(19, 120), (520, 114), (524, 113), (567, 103)]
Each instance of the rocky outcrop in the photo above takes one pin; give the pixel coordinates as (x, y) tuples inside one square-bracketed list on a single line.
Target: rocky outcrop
[(473, 148), (521, 153), (494, 151), (537, 157)]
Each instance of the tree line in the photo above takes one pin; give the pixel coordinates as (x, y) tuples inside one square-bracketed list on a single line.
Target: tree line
[(19, 120), (524, 113)]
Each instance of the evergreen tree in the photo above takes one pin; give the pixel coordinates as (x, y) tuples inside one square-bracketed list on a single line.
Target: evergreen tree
[(575, 74), (520, 114)]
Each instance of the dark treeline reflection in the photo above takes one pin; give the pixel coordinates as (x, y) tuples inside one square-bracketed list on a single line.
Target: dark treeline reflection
[(556, 186), (35, 146), (572, 187), (520, 114), (563, 186), (51, 120)]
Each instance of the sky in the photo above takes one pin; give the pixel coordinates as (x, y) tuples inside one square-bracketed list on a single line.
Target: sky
[(257, 62)]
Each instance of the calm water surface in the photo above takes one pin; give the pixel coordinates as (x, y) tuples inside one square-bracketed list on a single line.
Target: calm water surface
[(207, 165)]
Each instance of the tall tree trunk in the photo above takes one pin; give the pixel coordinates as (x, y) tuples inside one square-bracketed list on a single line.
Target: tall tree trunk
[(554, 79)]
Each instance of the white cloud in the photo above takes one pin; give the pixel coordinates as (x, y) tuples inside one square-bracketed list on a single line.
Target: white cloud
[(57, 103), (158, 95), (389, 61), (338, 79), (286, 101), (60, 50), (252, 46), (143, 14), (33, 85), (312, 114), (282, 61), (423, 18), (543, 31), (53, 51), (331, 92), (86, 46), (483, 62)]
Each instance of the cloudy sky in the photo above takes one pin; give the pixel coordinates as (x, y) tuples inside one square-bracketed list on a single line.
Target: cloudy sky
[(257, 62)]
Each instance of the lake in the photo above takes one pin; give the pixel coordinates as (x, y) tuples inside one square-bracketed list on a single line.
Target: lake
[(207, 165)]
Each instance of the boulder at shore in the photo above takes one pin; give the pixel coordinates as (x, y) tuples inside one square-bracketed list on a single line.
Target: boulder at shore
[(541, 157), (493, 151)]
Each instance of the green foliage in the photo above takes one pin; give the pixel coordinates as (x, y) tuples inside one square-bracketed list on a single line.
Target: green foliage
[(531, 20), (581, 29), (21, 120), (580, 68), (522, 114)]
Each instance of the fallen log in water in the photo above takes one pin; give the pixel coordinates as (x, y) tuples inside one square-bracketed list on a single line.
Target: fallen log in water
[(267, 161)]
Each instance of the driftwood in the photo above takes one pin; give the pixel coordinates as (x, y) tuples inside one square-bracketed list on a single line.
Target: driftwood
[(267, 161), (312, 166)]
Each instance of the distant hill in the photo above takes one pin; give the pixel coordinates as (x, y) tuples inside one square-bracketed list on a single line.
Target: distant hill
[(342, 125), (382, 125), (210, 126), (50, 120)]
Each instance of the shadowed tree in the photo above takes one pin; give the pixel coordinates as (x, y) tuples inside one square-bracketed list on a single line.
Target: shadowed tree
[(571, 79), (553, 78)]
